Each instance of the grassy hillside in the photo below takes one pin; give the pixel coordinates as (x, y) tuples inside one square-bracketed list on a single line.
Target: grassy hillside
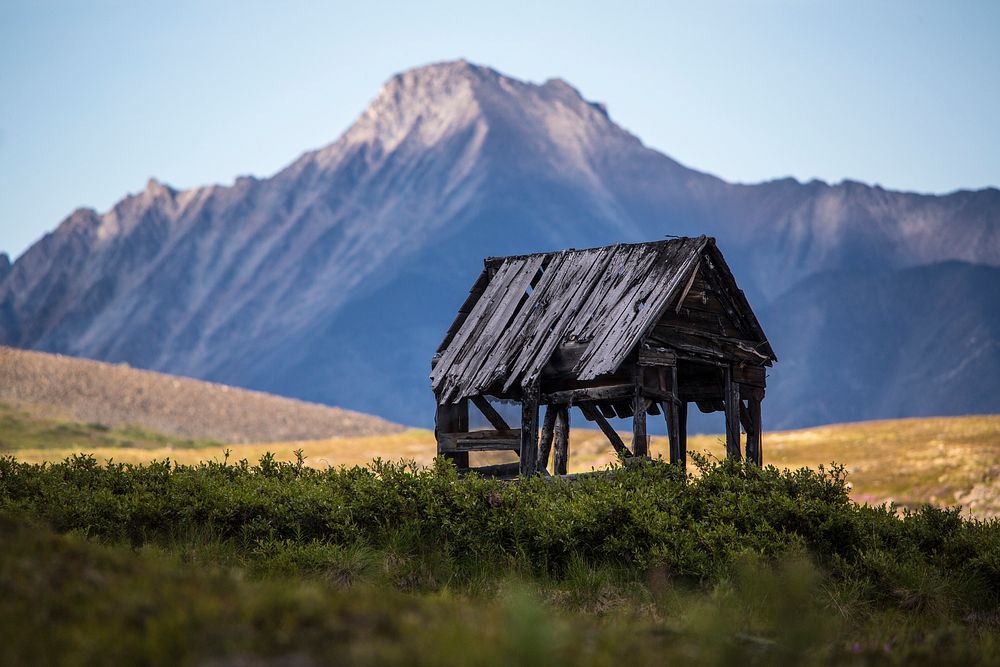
[(117, 395), (941, 461), (287, 565), (41, 437)]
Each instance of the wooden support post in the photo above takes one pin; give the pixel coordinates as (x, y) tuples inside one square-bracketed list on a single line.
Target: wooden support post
[(561, 431), (682, 431), (545, 444), (591, 413), (732, 405), (453, 418), (674, 423), (754, 452), (529, 429), (640, 443)]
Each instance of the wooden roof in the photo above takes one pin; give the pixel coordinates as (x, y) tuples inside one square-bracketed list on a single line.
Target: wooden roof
[(523, 307)]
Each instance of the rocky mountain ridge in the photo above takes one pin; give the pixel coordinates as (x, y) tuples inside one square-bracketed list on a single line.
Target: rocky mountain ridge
[(334, 279)]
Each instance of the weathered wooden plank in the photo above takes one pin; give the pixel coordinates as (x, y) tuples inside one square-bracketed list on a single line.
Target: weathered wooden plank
[(451, 418), (640, 442), (655, 292), (656, 356), (657, 394), (561, 435), (687, 287), (529, 430), (499, 471), (732, 402), (625, 263), (590, 394), (480, 441), (623, 408), (630, 302), (726, 277), (589, 272), (492, 416), (539, 320), (670, 410), (699, 341), (515, 334), (487, 331), (712, 322), (755, 449), (593, 415), (473, 324), (682, 429), (751, 375), (545, 443)]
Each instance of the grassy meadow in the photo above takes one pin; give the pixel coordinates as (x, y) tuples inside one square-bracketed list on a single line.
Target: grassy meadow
[(279, 563), (309, 553), (944, 461)]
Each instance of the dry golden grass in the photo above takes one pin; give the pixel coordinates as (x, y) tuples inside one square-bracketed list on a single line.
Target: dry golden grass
[(943, 461)]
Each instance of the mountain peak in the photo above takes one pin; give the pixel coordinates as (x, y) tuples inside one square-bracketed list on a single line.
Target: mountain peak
[(426, 105), (155, 188)]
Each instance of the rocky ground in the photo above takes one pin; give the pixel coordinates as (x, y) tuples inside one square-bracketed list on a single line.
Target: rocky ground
[(118, 395)]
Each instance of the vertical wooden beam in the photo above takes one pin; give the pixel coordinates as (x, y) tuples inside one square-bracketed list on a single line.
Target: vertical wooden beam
[(561, 433), (529, 429), (754, 448), (640, 443), (682, 432), (545, 444), (674, 423), (453, 418), (732, 405)]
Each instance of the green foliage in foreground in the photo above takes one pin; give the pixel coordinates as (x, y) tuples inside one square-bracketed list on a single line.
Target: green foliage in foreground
[(400, 565)]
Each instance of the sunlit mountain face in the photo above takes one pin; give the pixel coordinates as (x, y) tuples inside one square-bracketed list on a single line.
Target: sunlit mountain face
[(335, 279)]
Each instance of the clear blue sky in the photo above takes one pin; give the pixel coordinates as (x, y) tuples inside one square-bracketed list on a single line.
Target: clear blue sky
[(96, 97)]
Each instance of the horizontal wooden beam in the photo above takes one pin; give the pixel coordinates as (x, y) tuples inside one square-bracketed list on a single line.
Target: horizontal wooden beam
[(657, 357), (590, 394), (750, 375), (500, 470), (480, 441)]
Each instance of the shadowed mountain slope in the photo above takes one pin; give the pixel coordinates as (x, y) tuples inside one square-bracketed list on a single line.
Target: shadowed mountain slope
[(334, 279)]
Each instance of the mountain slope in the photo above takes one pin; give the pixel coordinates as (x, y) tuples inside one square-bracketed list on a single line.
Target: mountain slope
[(116, 395), (918, 341), (334, 279)]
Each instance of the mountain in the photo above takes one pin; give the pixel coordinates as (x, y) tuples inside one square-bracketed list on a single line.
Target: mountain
[(335, 279), (913, 342)]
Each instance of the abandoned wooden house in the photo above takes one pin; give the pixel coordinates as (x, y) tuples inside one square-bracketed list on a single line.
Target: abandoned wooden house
[(627, 330)]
